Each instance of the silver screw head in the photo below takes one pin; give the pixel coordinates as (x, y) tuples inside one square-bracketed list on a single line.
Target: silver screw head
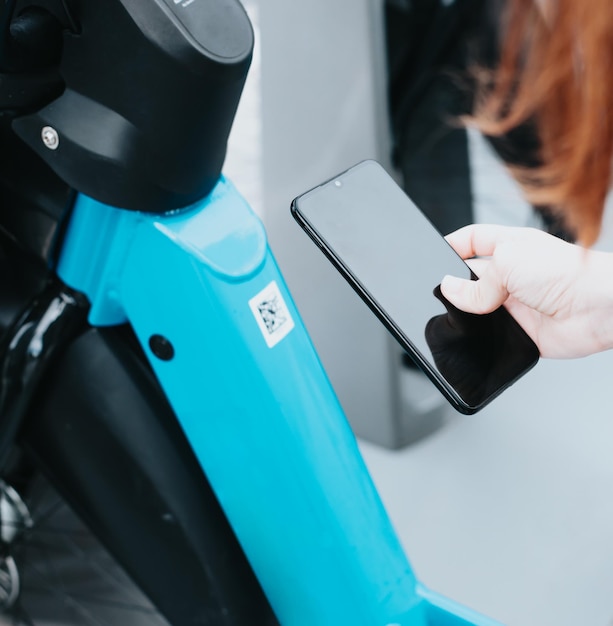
[(50, 137)]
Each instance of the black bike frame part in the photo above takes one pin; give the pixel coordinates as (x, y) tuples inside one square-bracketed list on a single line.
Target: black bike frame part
[(34, 201), (29, 349), (103, 433), (31, 42), (150, 93), (22, 276)]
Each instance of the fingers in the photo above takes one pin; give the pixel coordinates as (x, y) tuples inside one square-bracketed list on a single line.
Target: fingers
[(490, 291), (475, 296), (478, 266), (477, 239), (487, 293)]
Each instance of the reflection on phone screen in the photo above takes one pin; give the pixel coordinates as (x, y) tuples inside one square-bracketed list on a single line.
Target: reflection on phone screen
[(475, 353)]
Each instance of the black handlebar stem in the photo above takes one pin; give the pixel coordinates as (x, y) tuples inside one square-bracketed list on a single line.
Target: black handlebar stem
[(149, 93)]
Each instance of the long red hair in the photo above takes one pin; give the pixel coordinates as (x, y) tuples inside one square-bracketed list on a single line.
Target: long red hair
[(556, 71)]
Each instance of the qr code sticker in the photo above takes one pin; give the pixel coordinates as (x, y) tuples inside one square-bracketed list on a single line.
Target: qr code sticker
[(271, 314)]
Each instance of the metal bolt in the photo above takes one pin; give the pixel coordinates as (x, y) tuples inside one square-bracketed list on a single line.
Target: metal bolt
[(50, 137)]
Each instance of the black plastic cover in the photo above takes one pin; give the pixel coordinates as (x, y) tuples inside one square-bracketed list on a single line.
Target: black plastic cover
[(151, 90)]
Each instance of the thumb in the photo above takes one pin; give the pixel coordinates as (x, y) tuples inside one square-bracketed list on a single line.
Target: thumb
[(474, 296)]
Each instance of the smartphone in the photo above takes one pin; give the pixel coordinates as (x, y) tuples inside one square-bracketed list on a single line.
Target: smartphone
[(395, 259)]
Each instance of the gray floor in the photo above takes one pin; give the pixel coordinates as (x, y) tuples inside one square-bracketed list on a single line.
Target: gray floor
[(509, 511)]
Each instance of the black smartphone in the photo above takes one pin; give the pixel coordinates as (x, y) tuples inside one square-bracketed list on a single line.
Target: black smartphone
[(394, 258)]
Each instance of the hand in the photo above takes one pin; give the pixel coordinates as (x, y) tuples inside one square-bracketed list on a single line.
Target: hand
[(560, 293)]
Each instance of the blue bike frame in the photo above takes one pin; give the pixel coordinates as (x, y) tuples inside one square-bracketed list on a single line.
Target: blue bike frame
[(244, 380)]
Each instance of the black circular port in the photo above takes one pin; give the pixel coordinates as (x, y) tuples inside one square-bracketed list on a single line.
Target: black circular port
[(161, 347)]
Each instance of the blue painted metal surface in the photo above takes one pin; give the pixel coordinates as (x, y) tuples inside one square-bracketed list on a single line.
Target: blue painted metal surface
[(256, 405)]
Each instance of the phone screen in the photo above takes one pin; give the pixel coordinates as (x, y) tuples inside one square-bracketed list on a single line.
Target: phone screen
[(395, 259)]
